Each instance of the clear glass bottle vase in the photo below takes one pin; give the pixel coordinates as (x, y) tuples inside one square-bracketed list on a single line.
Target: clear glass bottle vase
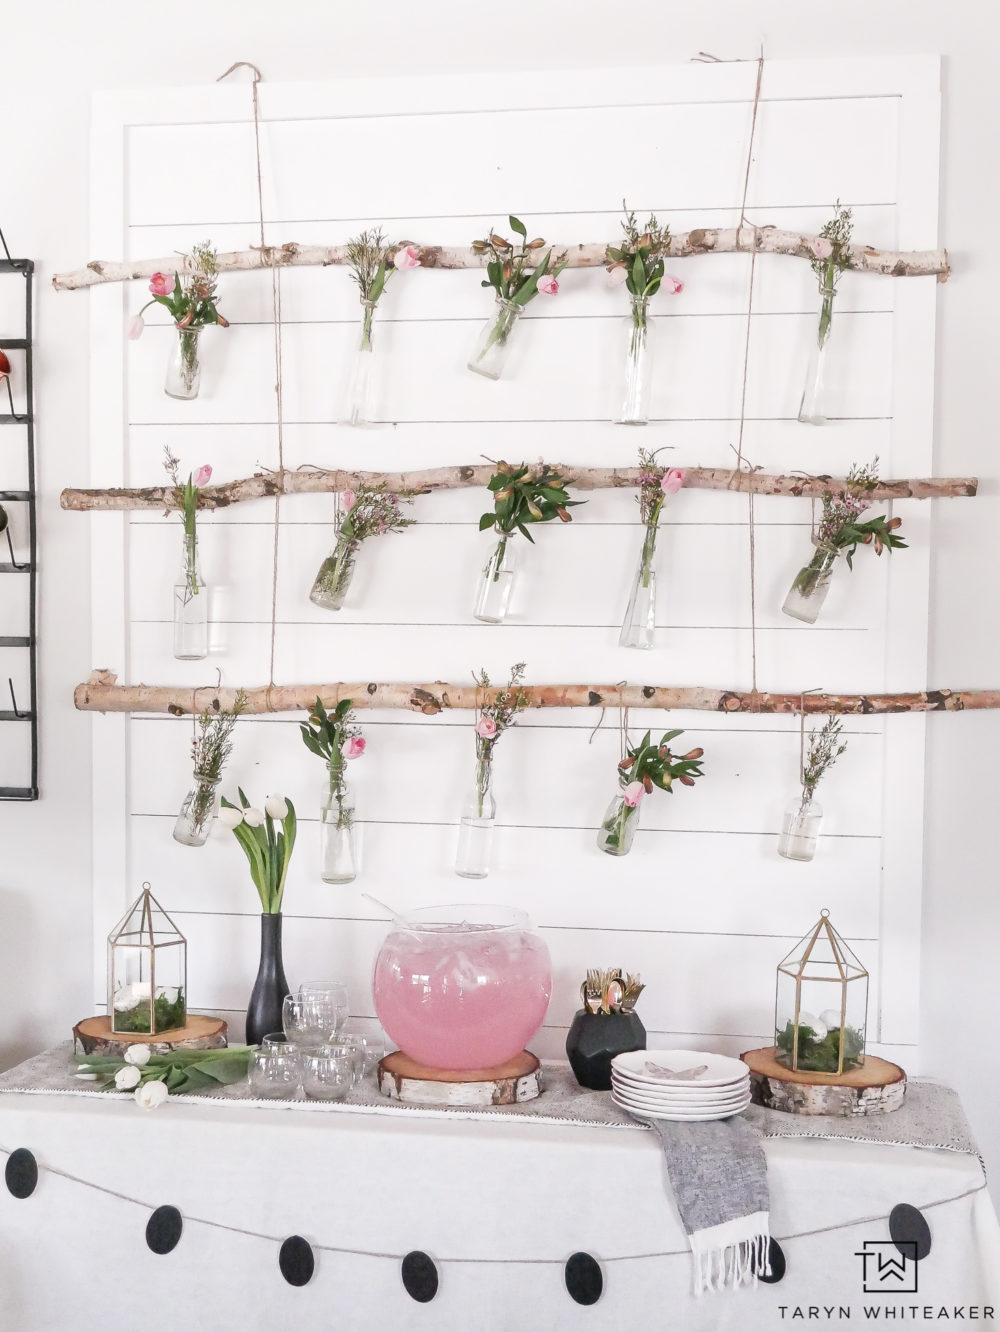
[(639, 342), (360, 389), (812, 407), (329, 589), (496, 582), (490, 353), (338, 844), (618, 827), (190, 606), (477, 821), (198, 812), (800, 829), (184, 366), (812, 582), (639, 624)]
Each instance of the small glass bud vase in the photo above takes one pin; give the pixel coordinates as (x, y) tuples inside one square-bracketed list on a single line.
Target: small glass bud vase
[(639, 624), (198, 811), (334, 577), (812, 408), (190, 607), (490, 354), (360, 390), (639, 342), (617, 830), (338, 850), (812, 582), (800, 829), (496, 582), (475, 832), (184, 366)]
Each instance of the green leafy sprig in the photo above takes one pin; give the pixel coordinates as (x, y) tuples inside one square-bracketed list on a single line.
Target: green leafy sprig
[(508, 271), (267, 850), (653, 764), (822, 753), (830, 260), (325, 734), (524, 495), (840, 528)]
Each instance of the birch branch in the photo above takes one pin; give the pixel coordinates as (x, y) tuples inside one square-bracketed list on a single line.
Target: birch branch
[(702, 240), (284, 482), (102, 693)]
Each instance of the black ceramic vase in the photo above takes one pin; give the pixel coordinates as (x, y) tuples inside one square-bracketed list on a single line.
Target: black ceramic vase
[(593, 1041), (270, 987)]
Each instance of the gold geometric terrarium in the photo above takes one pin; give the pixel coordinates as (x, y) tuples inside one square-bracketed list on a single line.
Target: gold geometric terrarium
[(821, 1006), (147, 970)]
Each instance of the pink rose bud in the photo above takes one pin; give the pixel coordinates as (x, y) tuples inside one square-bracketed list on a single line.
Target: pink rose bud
[(672, 480), (486, 727), (821, 247), (633, 794), (548, 286), (136, 325), (161, 284), (671, 285), (347, 500), (354, 748), (617, 276), (202, 476), (407, 256)]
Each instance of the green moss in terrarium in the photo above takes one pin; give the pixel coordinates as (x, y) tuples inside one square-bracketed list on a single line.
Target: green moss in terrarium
[(820, 1056), (170, 1013)]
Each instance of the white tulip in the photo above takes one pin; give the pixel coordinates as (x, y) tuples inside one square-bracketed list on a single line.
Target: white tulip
[(151, 1094), (253, 817), (230, 818), (126, 1078), (138, 1055), (276, 806)]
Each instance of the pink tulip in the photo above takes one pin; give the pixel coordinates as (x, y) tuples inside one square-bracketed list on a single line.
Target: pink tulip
[(136, 325), (671, 285), (407, 256), (202, 476), (548, 286), (347, 500), (486, 727), (161, 284), (617, 276), (821, 247), (354, 748), (673, 480), (633, 794)]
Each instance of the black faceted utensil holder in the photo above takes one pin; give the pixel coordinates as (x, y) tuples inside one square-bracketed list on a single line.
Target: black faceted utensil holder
[(593, 1041)]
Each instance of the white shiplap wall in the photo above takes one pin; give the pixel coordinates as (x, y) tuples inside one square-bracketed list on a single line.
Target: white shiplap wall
[(703, 906)]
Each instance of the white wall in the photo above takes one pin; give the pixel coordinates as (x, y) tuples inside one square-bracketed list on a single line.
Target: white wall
[(53, 56)]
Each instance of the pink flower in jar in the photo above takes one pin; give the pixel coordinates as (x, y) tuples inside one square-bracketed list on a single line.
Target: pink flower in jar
[(548, 286), (347, 500), (486, 728), (354, 748), (671, 285), (407, 256), (617, 275), (136, 325), (821, 247), (202, 476), (672, 481), (161, 284), (632, 795)]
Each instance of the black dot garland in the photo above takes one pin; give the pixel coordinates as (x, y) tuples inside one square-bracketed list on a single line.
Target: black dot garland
[(420, 1276), (909, 1231), (584, 1278), (21, 1173), (163, 1229), (776, 1258), (296, 1261)]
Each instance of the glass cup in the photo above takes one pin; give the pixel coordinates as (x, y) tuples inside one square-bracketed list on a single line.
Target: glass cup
[(333, 993), (372, 1046), (274, 1072), (308, 1022), (328, 1073)]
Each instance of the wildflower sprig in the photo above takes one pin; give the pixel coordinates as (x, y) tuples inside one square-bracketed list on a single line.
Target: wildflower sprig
[(655, 484), (371, 511), (638, 260), (493, 718), (832, 249), (839, 527), (824, 748), (524, 495), (190, 297)]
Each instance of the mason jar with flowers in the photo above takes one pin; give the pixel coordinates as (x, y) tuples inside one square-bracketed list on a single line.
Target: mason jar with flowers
[(517, 277), (831, 256), (644, 766), (190, 297), (496, 713), (335, 738), (372, 262), (190, 593), (655, 485), (369, 511)]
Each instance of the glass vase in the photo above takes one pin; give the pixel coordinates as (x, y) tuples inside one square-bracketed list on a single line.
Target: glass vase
[(359, 393), (639, 346), (800, 829), (338, 851), (490, 353), (812, 408), (639, 624), (334, 576), (812, 582), (475, 832), (184, 366), (198, 811), (618, 827), (190, 606), (496, 582)]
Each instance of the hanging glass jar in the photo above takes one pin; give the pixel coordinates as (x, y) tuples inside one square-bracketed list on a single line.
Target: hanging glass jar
[(639, 624), (639, 331), (800, 829), (618, 827), (475, 832), (496, 582), (490, 354), (812, 408), (338, 849), (812, 582), (198, 812), (190, 606), (184, 366), (359, 397), (334, 576)]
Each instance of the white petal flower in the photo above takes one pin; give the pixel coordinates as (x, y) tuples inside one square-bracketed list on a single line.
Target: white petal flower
[(230, 818), (253, 817), (151, 1094), (126, 1078), (276, 806), (138, 1055)]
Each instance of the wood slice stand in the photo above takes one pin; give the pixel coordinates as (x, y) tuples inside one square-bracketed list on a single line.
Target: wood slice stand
[(403, 1079), (876, 1088), (94, 1036)]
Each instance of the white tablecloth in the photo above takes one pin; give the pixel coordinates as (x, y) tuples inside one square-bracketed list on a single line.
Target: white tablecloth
[(498, 1205)]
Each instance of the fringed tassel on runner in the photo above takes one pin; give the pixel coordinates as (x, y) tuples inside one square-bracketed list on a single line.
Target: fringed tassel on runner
[(727, 1257)]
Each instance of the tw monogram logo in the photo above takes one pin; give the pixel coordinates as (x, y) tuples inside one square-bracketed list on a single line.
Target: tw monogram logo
[(889, 1267)]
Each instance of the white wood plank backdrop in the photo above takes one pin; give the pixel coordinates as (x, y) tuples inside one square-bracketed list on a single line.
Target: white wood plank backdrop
[(703, 906)]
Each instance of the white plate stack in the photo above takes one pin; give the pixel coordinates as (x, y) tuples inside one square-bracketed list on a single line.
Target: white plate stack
[(680, 1084)]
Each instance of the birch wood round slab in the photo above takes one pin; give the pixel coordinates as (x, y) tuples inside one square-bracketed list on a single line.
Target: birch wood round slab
[(876, 1088), (94, 1036), (403, 1079)]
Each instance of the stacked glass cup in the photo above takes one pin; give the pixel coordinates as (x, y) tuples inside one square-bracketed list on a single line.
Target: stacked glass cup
[(314, 1052)]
